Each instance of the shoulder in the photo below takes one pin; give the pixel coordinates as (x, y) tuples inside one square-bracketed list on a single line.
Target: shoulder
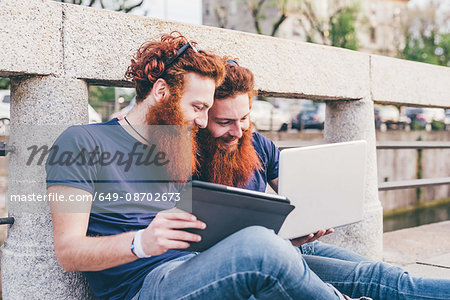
[(84, 133), (261, 143), (73, 133)]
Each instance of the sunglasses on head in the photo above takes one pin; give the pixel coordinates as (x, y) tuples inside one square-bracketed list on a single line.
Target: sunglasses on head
[(232, 62), (180, 52)]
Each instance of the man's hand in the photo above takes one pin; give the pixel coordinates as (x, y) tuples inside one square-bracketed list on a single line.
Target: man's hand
[(164, 232), (311, 237)]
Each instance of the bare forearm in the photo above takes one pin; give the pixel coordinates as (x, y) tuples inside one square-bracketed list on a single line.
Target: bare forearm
[(96, 253), (77, 252), (274, 184)]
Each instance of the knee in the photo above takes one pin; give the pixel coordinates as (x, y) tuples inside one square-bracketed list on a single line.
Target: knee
[(384, 270), (258, 237), (261, 247)]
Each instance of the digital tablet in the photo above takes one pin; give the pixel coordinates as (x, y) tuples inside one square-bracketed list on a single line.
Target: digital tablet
[(226, 210)]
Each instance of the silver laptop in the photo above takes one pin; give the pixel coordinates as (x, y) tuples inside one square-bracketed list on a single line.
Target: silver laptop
[(325, 183)]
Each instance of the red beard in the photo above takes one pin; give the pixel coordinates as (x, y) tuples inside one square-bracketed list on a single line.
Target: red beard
[(177, 141), (219, 165)]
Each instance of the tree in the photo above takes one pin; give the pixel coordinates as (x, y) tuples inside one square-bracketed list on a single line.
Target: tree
[(257, 8), (101, 94), (125, 6), (338, 30), (425, 41), (343, 31), (433, 48), (221, 12), (4, 83)]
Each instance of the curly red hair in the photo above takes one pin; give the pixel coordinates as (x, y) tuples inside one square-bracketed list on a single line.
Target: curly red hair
[(149, 64), (238, 80)]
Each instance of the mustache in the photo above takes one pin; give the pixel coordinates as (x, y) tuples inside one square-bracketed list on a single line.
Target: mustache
[(228, 139)]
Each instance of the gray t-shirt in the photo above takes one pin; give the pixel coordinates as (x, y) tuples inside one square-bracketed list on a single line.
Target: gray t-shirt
[(125, 194)]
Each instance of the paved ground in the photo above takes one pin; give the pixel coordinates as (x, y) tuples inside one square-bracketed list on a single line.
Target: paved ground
[(423, 250)]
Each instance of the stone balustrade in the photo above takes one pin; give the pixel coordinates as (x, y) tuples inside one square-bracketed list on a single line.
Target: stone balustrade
[(53, 51)]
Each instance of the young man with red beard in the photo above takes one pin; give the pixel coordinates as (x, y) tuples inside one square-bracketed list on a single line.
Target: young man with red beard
[(120, 239), (230, 154), (123, 166)]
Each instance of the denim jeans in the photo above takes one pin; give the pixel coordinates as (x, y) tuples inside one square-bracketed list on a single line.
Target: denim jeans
[(255, 263), (356, 276), (326, 250)]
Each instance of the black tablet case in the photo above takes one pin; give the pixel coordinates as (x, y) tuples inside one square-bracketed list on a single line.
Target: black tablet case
[(228, 211)]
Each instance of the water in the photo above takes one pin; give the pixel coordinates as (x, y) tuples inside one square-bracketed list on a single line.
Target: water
[(417, 217)]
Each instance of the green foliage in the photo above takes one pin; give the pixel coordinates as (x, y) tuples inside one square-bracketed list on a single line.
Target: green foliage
[(416, 126), (419, 172), (342, 28), (433, 48), (437, 125), (4, 83), (338, 30), (101, 94)]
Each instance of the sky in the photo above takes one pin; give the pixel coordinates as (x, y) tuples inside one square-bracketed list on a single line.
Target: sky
[(185, 11)]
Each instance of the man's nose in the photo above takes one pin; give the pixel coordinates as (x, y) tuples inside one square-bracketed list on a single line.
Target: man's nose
[(202, 120), (236, 130)]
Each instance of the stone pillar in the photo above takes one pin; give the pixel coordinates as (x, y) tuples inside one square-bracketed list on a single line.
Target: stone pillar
[(29, 266), (347, 121)]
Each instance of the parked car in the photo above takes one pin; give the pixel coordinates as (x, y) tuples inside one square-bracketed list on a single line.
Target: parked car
[(4, 111), (265, 116), (424, 116), (389, 117), (124, 111), (5, 99), (311, 115), (94, 116)]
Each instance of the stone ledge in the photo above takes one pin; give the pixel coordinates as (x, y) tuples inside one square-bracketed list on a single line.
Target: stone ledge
[(401, 81), (44, 37), (30, 38), (102, 51)]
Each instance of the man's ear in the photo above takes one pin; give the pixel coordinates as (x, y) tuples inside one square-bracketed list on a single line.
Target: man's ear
[(160, 90)]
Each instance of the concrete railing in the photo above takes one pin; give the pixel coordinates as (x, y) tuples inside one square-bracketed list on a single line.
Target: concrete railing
[(53, 51)]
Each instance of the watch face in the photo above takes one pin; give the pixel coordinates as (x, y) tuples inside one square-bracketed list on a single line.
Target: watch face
[(132, 248)]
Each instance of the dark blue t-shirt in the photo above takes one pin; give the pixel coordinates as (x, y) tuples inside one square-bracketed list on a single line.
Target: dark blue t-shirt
[(115, 185), (270, 157)]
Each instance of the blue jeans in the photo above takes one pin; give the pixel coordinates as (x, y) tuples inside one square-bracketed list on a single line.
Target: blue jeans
[(356, 276), (326, 250), (253, 261), (256, 263)]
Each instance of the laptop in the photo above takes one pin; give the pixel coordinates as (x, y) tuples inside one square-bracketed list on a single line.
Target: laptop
[(226, 210), (325, 183)]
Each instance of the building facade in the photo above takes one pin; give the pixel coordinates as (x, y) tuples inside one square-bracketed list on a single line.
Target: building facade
[(380, 24)]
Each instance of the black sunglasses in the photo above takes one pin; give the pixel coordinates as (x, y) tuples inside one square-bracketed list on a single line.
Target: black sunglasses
[(179, 53), (232, 62)]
